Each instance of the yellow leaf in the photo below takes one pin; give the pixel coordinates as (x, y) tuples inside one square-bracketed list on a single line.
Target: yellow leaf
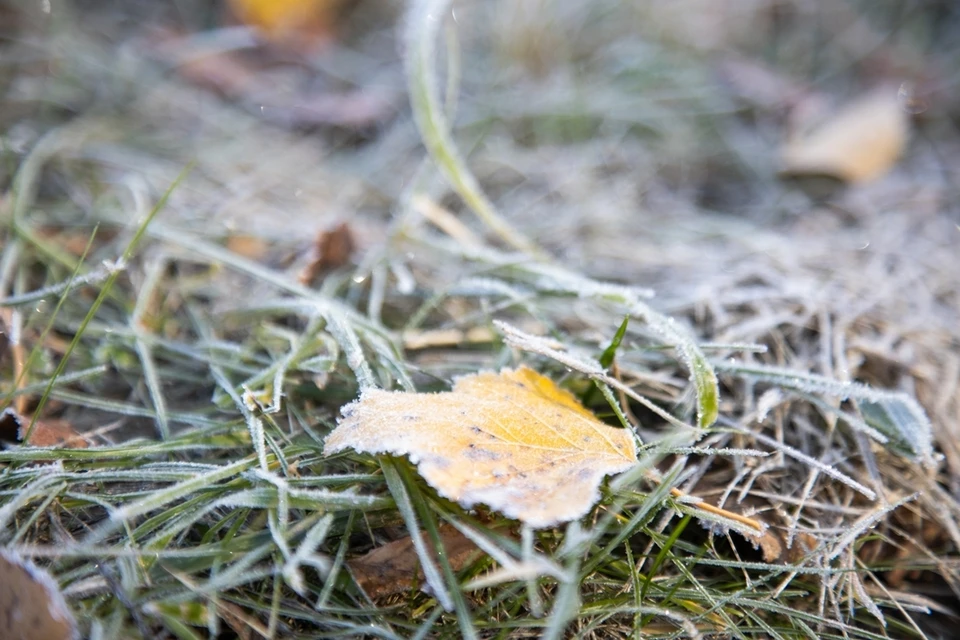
[(281, 19), (860, 142), (513, 441)]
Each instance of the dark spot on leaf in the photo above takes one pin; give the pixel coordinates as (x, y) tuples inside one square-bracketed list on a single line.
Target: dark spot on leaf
[(481, 454)]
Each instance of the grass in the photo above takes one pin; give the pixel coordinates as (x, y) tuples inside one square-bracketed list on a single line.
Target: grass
[(782, 372)]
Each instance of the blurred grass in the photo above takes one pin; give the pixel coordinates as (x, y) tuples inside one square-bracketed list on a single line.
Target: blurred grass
[(208, 378)]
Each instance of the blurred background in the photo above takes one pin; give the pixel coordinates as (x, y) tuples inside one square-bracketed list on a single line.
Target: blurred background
[(611, 116)]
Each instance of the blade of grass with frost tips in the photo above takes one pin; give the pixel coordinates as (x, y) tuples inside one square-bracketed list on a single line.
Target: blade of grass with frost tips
[(126, 409), (400, 495), (140, 474), (254, 424), (34, 353), (614, 405), (389, 357), (533, 566), (702, 375), (63, 379), (26, 183), (40, 486), (338, 562), (423, 22), (240, 572), (263, 498), (154, 273), (134, 451), (894, 414), (104, 291), (91, 278), (652, 503), (535, 344), (344, 334), (429, 520), (307, 300), (566, 604), (813, 462), (867, 522), (165, 496)]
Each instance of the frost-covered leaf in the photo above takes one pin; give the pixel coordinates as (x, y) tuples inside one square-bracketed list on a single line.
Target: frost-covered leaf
[(513, 441)]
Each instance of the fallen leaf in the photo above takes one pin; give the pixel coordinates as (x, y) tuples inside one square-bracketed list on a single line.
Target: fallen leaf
[(252, 247), (513, 441), (46, 433), (772, 545), (860, 142), (292, 23), (333, 249), (394, 567), (31, 605), (770, 535)]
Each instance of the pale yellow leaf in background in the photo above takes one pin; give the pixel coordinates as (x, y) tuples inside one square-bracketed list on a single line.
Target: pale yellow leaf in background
[(513, 441), (860, 142)]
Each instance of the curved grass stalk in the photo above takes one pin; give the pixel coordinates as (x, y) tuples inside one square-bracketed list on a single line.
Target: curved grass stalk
[(423, 24)]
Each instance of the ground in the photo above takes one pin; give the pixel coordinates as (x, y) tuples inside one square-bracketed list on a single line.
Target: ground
[(215, 238)]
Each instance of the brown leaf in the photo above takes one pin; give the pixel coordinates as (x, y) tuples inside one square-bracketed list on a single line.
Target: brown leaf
[(248, 246), (46, 433), (333, 249), (772, 540), (513, 441), (773, 545), (395, 567), (31, 605), (860, 142)]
